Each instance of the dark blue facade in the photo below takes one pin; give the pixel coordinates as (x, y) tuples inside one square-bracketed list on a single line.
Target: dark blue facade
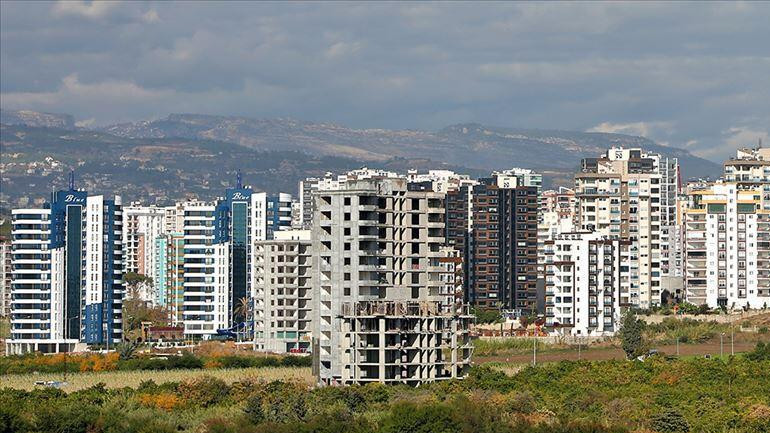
[(237, 201), (67, 231)]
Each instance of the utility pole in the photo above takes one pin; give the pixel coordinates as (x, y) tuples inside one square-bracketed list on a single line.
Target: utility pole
[(578, 349), (677, 346), (732, 339), (534, 351), (721, 344)]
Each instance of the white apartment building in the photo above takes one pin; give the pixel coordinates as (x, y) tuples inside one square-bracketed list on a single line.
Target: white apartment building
[(585, 272), (282, 292), (206, 272), (727, 246), (633, 195), (377, 286), (441, 181), (750, 169), (142, 226)]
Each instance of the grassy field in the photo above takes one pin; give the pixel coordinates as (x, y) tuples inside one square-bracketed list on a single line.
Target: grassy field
[(118, 379)]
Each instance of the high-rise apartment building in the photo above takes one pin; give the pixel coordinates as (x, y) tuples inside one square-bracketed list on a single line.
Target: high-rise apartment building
[(282, 292), (727, 239), (278, 213), (584, 274), (67, 273), (633, 195), (750, 169), (169, 275), (218, 262), (142, 225), (377, 287), (502, 269), (206, 270), (5, 277)]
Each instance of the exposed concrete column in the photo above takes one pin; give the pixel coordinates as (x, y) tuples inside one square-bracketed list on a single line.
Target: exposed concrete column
[(381, 354)]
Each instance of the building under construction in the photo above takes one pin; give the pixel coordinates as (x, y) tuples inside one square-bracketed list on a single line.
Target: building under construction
[(378, 286), (401, 342)]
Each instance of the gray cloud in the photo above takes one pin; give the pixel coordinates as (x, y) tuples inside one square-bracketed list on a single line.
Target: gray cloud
[(692, 75)]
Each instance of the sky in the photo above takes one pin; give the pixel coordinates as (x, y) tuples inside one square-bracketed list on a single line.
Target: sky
[(685, 74)]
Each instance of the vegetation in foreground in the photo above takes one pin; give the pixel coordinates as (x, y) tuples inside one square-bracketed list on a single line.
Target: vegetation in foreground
[(696, 395)]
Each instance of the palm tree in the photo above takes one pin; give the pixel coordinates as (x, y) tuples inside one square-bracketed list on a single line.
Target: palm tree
[(242, 311), (243, 308)]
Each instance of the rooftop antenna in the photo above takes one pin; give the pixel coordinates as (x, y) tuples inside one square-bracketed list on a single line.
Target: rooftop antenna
[(238, 183), (72, 180)]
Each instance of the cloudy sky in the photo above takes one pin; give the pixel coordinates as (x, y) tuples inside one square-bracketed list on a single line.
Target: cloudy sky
[(694, 75)]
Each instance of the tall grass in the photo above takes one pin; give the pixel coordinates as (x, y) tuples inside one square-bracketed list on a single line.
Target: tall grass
[(119, 379), (509, 345), (685, 330)]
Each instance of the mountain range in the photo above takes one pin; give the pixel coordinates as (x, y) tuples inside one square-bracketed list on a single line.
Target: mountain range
[(162, 160)]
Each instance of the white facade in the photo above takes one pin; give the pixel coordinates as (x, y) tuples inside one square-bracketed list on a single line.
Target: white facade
[(633, 195), (727, 247), (206, 273), (583, 271), (142, 226), (33, 282)]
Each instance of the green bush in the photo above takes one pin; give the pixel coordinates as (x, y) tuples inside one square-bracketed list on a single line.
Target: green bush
[(670, 421), (760, 353), (203, 391)]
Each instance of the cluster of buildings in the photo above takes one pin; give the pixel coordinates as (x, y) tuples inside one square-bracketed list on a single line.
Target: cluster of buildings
[(374, 271)]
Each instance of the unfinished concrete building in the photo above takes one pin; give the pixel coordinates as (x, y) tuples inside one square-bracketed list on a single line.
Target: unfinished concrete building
[(376, 244)]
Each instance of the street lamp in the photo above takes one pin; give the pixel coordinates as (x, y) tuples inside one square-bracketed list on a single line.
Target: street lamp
[(66, 345)]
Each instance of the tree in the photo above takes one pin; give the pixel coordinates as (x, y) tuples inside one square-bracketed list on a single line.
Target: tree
[(486, 316), (137, 310), (630, 335), (127, 349), (243, 309)]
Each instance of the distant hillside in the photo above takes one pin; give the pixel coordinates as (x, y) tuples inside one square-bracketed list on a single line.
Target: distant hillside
[(155, 170), (34, 118), (185, 154), (471, 145)]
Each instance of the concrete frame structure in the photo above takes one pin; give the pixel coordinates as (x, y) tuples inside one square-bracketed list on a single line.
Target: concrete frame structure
[(374, 240), (282, 293)]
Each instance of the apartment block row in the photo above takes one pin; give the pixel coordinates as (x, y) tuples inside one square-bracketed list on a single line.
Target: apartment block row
[(372, 271)]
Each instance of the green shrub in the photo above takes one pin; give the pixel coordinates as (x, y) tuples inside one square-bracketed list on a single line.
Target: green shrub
[(669, 421), (203, 391), (760, 353)]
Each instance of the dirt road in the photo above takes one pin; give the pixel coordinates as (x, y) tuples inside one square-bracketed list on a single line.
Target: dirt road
[(597, 354)]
